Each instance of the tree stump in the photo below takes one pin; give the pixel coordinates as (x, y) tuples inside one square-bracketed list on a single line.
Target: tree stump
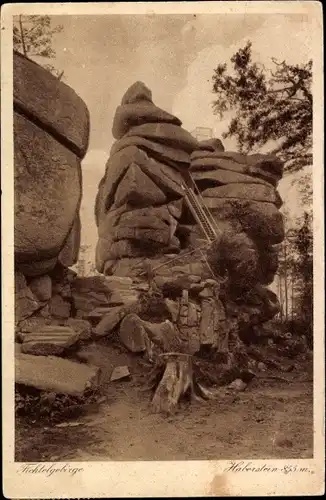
[(178, 381)]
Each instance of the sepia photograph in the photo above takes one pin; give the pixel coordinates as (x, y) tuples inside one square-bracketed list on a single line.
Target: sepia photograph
[(165, 173)]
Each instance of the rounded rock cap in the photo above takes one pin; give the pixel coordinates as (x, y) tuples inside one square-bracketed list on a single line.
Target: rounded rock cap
[(136, 93)]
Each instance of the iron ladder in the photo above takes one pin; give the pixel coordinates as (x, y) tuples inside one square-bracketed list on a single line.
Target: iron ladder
[(200, 212)]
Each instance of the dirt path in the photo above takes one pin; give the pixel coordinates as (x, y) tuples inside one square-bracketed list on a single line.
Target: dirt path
[(271, 419)]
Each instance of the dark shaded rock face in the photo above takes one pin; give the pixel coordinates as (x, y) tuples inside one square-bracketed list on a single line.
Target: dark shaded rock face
[(47, 192), (51, 127), (144, 223)]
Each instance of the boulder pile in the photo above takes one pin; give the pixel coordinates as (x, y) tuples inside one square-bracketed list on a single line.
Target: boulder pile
[(58, 313)]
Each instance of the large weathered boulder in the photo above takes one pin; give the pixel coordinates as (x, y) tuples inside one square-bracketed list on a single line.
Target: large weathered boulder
[(136, 109), (137, 189), (160, 152), (137, 113), (47, 192), (266, 167), (57, 108), (138, 92), (261, 220), (219, 176), (166, 178), (143, 171), (51, 128), (243, 191), (165, 133)]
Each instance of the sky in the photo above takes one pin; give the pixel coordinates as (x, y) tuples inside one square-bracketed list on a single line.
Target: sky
[(175, 57)]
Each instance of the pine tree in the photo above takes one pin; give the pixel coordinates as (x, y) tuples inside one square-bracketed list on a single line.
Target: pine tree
[(268, 106), (32, 36), (304, 267), (296, 278)]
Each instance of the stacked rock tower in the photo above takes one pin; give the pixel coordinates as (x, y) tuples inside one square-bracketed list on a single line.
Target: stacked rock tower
[(142, 212), (139, 202), (240, 191)]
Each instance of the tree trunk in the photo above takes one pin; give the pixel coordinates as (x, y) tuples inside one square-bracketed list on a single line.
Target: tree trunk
[(286, 284), (280, 295), (22, 35), (178, 381), (292, 297)]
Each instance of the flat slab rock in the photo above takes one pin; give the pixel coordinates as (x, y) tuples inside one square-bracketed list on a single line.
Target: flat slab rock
[(49, 340), (119, 373), (109, 321), (123, 297), (49, 373), (132, 333)]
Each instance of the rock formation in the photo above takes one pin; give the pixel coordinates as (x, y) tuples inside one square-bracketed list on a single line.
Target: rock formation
[(141, 213), (51, 128), (146, 231), (166, 292), (240, 191), (139, 202)]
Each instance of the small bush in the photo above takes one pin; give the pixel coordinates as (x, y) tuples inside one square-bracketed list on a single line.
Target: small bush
[(41, 406), (152, 306)]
